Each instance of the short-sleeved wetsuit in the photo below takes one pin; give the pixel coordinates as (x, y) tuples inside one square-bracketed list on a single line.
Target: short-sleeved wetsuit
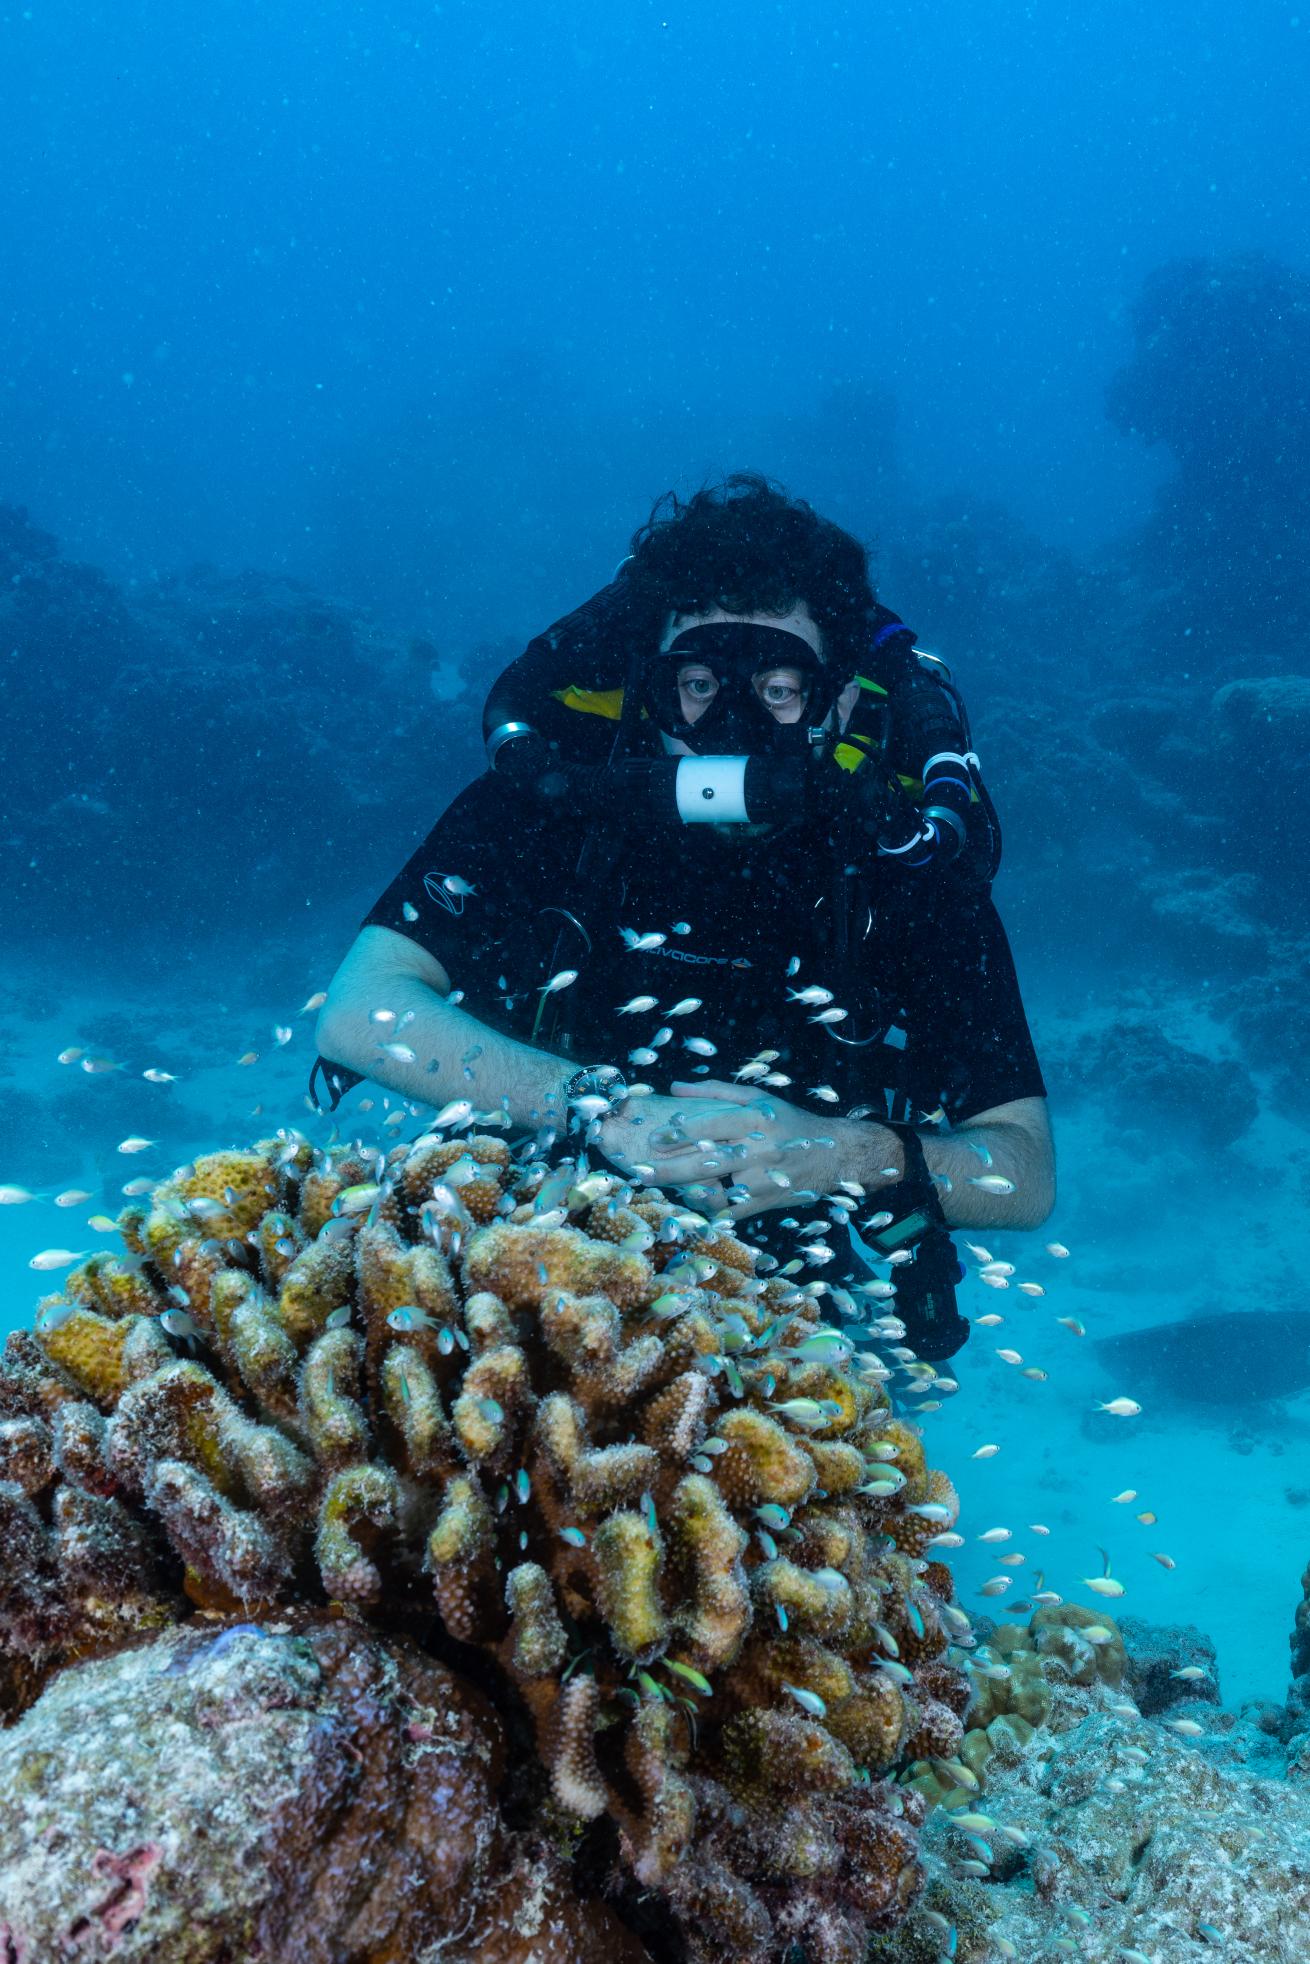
[(934, 1017)]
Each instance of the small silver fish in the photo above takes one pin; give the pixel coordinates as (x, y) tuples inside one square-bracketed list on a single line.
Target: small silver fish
[(991, 1182), (454, 1113), (685, 1006), (154, 1076), (812, 997), (56, 1316), (179, 1323), (316, 1001), (826, 1092), (699, 1046), (204, 1209), (641, 944), (637, 1005), (806, 1412), (454, 883), (56, 1258), (824, 1347), (400, 1051), (135, 1143), (830, 1016), (809, 1701), (408, 1318), (682, 927), (1103, 1585), (558, 982), (410, 911), (356, 1199), (19, 1196)]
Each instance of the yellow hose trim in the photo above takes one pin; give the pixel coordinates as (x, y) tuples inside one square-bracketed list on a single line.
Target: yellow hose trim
[(592, 702)]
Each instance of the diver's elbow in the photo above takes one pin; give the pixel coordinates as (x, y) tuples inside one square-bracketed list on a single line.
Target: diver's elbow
[(337, 1037), (1038, 1205)]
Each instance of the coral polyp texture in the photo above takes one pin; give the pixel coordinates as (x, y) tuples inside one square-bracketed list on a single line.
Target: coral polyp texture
[(538, 1413)]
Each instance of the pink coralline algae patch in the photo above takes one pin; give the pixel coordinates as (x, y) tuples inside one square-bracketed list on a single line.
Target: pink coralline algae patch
[(129, 1878)]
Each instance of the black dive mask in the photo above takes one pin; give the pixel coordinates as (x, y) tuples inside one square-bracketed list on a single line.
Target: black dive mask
[(737, 719)]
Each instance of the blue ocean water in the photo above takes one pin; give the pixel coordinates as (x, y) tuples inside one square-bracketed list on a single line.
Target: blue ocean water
[(344, 348)]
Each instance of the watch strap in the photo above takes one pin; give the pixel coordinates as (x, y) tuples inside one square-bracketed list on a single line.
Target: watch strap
[(913, 1202)]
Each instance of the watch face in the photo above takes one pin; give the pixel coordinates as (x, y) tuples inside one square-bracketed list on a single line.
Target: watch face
[(902, 1231)]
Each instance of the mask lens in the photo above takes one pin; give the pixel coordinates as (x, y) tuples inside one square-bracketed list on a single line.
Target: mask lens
[(743, 674)]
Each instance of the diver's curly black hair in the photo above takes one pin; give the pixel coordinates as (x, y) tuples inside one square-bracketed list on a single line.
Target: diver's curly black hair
[(746, 546)]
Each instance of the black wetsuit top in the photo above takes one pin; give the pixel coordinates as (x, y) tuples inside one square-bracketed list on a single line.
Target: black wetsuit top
[(934, 1019)]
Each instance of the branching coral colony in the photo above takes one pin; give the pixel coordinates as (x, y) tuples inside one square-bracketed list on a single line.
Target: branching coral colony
[(647, 1481)]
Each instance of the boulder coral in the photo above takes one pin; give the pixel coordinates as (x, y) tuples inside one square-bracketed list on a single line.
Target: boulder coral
[(532, 1416)]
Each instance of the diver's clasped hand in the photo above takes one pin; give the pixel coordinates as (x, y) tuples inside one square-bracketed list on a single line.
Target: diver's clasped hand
[(626, 1135), (754, 1150)]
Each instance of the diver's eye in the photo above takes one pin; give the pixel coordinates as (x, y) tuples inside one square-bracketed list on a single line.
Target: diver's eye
[(779, 691), (700, 687)]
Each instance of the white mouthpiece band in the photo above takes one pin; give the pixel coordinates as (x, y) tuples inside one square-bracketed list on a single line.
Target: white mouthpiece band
[(712, 790)]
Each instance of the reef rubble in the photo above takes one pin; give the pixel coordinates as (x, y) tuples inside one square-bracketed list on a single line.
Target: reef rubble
[(1117, 1838)]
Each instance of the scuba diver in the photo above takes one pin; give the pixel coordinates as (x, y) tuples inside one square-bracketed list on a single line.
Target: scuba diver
[(719, 909)]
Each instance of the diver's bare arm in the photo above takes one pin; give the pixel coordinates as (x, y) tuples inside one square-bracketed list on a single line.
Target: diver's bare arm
[(455, 1056), (1016, 1139)]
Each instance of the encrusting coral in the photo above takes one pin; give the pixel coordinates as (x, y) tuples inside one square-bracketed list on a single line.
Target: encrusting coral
[(1015, 1676), (647, 1482)]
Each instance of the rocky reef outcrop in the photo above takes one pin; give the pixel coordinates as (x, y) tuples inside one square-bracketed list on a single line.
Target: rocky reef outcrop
[(552, 1432), (191, 722), (294, 1790)]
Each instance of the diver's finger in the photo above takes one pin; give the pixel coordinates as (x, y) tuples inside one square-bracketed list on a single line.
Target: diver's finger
[(730, 1094), (723, 1127)]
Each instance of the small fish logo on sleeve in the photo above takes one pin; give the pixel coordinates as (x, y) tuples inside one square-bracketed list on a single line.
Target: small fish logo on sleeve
[(448, 890)]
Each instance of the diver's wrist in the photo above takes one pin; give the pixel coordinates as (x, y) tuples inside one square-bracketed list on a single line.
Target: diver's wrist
[(593, 1093), (875, 1154)]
